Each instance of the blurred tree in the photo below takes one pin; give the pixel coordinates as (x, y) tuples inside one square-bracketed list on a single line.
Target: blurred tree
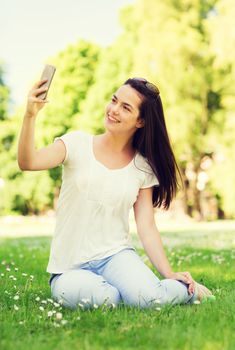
[(221, 173), (76, 66), (34, 192), (174, 49), (4, 94), (180, 46), (22, 192), (114, 68)]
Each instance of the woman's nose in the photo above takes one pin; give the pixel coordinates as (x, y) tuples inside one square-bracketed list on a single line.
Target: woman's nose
[(115, 109)]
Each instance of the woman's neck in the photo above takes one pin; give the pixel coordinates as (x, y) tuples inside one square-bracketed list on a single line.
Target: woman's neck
[(117, 143)]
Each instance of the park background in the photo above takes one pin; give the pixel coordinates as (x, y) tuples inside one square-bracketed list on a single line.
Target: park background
[(187, 49)]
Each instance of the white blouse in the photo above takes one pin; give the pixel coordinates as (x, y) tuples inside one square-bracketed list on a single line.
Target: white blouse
[(92, 214)]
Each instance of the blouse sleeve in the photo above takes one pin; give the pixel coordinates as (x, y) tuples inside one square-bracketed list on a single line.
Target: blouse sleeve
[(71, 141), (150, 178)]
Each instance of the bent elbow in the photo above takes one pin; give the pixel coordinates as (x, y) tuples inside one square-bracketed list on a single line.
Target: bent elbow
[(22, 166)]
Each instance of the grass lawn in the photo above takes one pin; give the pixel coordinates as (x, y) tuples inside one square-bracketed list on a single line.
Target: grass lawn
[(25, 303)]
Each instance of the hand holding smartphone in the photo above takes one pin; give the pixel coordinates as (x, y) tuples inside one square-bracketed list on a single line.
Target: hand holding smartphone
[(37, 95), (48, 73)]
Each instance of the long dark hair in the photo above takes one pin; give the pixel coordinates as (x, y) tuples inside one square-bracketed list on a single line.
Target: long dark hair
[(153, 143)]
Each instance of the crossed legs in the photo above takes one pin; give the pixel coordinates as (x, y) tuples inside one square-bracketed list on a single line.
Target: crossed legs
[(124, 277)]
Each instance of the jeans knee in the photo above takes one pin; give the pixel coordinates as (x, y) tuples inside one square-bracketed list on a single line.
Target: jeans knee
[(111, 296), (64, 297), (143, 299), (174, 292), (85, 298)]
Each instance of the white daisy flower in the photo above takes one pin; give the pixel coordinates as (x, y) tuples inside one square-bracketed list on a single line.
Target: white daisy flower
[(24, 274), (37, 299), (197, 302), (16, 307), (95, 306), (50, 300), (64, 322), (84, 300), (41, 308), (16, 297), (50, 313), (59, 316)]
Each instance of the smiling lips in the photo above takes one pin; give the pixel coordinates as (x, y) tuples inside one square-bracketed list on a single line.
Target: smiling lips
[(113, 119)]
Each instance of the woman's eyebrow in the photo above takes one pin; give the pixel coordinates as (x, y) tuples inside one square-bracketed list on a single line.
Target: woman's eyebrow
[(125, 103)]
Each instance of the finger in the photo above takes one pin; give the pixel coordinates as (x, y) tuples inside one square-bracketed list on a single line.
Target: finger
[(38, 91), (188, 276), (182, 277), (37, 100), (191, 288), (39, 83)]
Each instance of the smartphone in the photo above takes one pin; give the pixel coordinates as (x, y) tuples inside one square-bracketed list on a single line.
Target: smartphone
[(48, 73)]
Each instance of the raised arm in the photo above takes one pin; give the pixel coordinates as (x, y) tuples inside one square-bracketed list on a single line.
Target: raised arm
[(28, 157)]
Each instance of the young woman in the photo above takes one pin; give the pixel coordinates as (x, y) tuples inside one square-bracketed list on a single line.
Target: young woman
[(92, 260)]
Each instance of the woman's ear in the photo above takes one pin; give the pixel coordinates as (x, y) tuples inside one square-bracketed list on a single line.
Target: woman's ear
[(140, 123)]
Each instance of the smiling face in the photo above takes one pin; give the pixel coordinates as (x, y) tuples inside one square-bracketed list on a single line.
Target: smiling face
[(122, 113)]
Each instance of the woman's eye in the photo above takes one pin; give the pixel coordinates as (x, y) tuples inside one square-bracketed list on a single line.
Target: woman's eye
[(126, 108)]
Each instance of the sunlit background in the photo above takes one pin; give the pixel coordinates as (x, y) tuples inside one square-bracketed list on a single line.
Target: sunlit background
[(32, 31), (186, 47)]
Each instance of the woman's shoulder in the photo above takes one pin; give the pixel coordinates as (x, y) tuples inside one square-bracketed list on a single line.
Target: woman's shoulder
[(77, 134), (142, 162)]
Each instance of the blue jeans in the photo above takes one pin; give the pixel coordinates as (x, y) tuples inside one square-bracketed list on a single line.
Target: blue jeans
[(122, 277)]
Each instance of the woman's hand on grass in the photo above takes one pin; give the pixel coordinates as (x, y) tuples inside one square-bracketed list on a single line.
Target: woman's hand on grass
[(184, 277)]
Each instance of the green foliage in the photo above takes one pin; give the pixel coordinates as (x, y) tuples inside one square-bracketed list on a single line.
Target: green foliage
[(4, 93), (179, 46), (113, 70), (34, 192), (186, 48)]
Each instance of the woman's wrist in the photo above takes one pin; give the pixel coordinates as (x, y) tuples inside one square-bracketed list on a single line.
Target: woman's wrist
[(168, 274), (28, 115)]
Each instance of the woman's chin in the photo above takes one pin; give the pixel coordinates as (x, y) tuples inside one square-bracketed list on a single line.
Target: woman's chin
[(108, 123)]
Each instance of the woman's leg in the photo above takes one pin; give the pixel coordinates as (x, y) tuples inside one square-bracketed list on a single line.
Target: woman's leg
[(84, 287), (138, 285)]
